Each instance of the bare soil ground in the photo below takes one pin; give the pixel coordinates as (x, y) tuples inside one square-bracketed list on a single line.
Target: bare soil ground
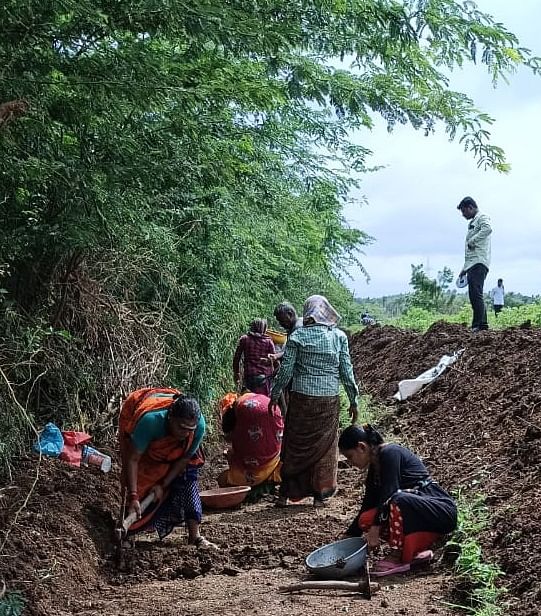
[(478, 427), (60, 554)]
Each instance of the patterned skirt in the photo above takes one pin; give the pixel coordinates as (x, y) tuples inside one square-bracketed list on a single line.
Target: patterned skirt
[(309, 449), (181, 504)]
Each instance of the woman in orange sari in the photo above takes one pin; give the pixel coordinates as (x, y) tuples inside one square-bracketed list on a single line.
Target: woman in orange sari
[(160, 436), (256, 438)]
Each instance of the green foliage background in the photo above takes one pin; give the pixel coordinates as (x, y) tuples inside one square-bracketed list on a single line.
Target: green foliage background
[(421, 319), (434, 299), (182, 167)]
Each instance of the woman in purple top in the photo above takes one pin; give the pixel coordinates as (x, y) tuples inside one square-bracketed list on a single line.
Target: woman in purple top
[(254, 349)]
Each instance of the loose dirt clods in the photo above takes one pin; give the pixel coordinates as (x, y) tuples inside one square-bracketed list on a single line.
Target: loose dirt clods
[(478, 426), (63, 556)]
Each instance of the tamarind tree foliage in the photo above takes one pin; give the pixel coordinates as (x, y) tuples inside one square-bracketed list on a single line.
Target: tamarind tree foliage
[(171, 169)]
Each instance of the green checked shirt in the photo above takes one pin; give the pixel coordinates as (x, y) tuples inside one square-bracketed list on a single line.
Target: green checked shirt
[(316, 359)]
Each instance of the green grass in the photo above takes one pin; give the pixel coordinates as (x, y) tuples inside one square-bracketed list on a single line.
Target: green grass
[(12, 604), (369, 411), (476, 579), (420, 319)]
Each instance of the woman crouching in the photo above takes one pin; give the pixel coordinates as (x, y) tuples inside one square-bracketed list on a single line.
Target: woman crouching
[(402, 503), (256, 437), (160, 436)]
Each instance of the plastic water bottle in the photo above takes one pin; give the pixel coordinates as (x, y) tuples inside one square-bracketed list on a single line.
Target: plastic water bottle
[(93, 457)]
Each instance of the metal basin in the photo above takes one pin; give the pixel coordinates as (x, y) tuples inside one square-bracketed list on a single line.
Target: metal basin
[(339, 559)]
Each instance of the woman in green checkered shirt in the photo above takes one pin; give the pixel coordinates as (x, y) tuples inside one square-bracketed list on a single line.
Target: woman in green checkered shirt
[(315, 361)]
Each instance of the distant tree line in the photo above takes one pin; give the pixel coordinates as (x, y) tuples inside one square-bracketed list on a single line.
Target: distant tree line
[(432, 294)]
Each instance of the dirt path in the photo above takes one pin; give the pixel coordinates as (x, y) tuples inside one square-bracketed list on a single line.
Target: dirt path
[(254, 592), (262, 548), (60, 556)]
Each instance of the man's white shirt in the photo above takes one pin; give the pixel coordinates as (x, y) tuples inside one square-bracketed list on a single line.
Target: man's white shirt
[(497, 294)]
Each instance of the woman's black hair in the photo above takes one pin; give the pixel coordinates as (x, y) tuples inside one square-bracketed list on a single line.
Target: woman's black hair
[(229, 418), (185, 409), (353, 435)]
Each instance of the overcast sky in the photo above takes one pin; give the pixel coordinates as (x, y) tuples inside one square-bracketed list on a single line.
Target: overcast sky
[(412, 202)]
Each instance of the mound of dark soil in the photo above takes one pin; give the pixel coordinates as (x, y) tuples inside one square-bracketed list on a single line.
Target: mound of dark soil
[(478, 426), (56, 532)]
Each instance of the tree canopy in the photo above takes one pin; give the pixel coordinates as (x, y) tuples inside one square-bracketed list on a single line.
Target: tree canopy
[(171, 169), (432, 293)]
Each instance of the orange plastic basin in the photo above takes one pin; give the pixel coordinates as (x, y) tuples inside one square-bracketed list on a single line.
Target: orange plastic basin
[(277, 337), (224, 498)]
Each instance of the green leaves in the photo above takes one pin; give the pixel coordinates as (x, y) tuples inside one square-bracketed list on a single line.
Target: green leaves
[(202, 151), (431, 294)]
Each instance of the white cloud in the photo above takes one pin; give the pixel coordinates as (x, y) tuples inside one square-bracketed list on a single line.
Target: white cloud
[(412, 202)]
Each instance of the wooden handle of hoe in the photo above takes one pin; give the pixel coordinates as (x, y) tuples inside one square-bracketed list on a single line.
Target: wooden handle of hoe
[(145, 504), (331, 585)]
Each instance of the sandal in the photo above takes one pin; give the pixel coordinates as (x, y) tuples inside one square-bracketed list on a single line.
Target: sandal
[(389, 567), (281, 503), (204, 544), (423, 557)]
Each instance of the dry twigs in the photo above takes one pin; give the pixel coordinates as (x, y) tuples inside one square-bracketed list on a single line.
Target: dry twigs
[(28, 419), (11, 110)]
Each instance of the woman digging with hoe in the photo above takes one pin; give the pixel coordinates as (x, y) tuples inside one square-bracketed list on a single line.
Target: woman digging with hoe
[(160, 435), (402, 503)]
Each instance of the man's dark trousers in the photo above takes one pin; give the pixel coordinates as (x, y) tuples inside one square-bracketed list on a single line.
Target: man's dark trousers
[(476, 281)]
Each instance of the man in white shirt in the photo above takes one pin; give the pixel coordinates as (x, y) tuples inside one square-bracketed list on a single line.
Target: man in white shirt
[(477, 259), (497, 295)]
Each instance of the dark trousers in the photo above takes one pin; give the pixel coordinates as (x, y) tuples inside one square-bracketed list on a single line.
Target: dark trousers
[(497, 309), (476, 280)]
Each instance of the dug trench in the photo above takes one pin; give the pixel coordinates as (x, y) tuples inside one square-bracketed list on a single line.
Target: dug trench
[(475, 427), (60, 554)]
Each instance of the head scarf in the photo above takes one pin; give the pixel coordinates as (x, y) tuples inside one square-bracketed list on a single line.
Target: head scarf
[(227, 402), (320, 310), (258, 327)]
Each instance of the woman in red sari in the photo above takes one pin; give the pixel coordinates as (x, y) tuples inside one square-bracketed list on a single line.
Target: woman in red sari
[(256, 437), (160, 435)]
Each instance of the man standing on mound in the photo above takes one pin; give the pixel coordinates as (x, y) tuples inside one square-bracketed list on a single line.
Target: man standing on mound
[(477, 259)]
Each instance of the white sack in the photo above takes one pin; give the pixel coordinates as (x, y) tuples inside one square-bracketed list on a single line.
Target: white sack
[(411, 386)]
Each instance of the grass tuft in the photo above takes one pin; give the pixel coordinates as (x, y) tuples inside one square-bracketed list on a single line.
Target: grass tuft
[(476, 588), (11, 604)]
